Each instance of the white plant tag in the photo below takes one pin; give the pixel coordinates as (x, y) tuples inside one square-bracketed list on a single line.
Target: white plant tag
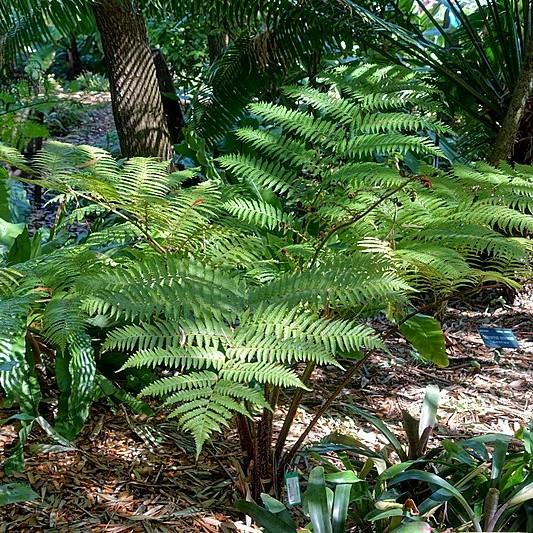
[(292, 484)]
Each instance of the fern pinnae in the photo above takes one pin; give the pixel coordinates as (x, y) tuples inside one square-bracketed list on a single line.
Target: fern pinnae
[(279, 148), (262, 372), (194, 380), (191, 357), (260, 214)]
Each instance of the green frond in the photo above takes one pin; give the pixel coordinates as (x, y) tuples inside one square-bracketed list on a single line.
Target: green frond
[(67, 168), (194, 380), (305, 125), (143, 180), (286, 324), (261, 372), (9, 280), (497, 216), (168, 286), (386, 143), (259, 173), (185, 358), (286, 351), (260, 214), (344, 285), (473, 239), (203, 411), (63, 319), (12, 157), (75, 373), (17, 377), (277, 147)]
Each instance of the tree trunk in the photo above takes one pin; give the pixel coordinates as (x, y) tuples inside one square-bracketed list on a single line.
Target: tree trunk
[(504, 144), (217, 42), (135, 97), (75, 68), (171, 103)]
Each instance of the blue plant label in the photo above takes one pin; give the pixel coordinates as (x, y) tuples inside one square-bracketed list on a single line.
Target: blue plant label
[(292, 484), (498, 338)]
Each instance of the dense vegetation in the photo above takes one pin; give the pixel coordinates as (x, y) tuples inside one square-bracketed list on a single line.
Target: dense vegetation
[(285, 177)]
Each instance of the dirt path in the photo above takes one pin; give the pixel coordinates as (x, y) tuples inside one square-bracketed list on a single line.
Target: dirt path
[(96, 127)]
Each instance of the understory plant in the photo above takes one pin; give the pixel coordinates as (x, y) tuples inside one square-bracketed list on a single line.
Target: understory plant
[(484, 483), (327, 502), (332, 212), (478, 483)]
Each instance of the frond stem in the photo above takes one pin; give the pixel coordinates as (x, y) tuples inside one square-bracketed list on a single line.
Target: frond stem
[(355, 219)]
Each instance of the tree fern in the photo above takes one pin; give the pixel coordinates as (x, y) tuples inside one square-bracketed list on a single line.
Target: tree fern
[(324, 217)]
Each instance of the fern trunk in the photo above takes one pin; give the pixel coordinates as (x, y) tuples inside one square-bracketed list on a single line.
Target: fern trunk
[(137, 105), (263, 467), (505, 140)]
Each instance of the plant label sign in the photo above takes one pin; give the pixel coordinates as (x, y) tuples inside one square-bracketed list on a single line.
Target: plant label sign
[(498, 338), (292, 484)]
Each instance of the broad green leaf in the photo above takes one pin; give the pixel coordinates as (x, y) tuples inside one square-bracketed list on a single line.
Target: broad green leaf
[(341, 503), (499, 456), (19, 207), (267, 520), (15, 493), (8, 233), (433, 479), (381, 426), (19, 381), (271, 504), (276, 507), (317, 501), (373, 516), (20, 250), (426, 336), (523, 495), (343, 477), (76, 370), (394, 470), (347, 442)]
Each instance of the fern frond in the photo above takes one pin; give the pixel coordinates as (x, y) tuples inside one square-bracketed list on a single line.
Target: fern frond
[(260, 173), (167, 286), (195, 380), (278, 147), (262, 372)]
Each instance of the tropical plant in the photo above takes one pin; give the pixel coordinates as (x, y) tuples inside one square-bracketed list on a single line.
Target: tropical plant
[(480, 482), (275, 260), (43, 331), (417, 433), (327, 508)]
